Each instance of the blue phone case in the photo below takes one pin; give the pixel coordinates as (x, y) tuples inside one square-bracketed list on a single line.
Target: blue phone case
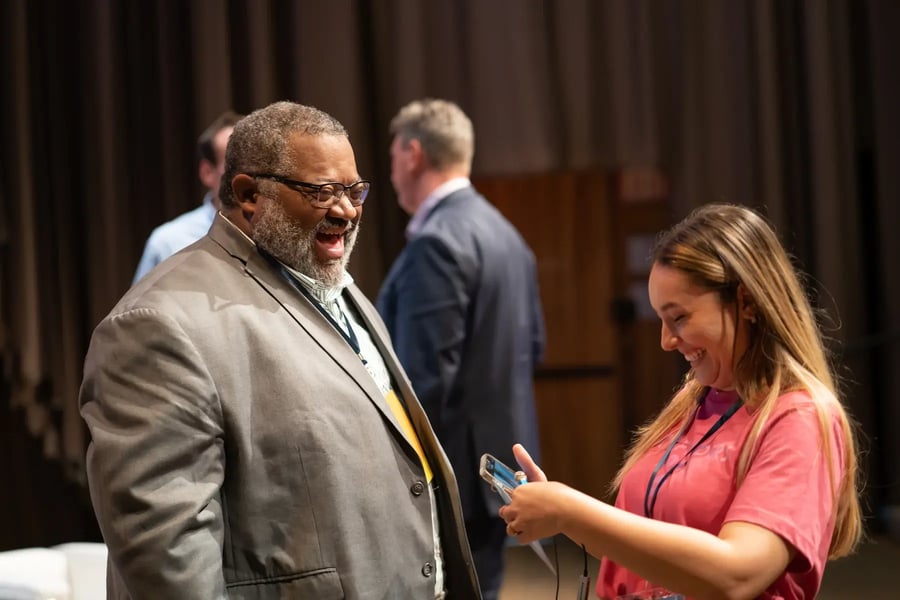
[(501, 476)]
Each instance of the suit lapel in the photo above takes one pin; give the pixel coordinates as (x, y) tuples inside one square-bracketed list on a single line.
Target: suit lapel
[(301, 310), (312, 322), (321, 332), (402, 386), (364, 309)]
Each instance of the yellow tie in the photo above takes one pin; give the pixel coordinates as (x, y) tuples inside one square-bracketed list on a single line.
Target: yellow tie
[(406, 425)]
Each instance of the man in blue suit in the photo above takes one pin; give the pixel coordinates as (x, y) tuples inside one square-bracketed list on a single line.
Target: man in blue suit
[(462, 306)]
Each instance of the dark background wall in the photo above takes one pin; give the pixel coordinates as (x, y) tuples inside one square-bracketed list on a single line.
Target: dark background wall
[(787, 106)]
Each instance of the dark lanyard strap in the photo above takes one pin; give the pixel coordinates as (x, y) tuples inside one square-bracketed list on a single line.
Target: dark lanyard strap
[(349, 335), (650, 499)]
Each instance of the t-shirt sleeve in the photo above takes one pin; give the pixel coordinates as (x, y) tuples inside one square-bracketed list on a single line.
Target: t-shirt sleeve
[(789, 488)]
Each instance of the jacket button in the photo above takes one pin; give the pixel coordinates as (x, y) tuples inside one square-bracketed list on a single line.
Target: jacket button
[(417, 489), (427, 569)]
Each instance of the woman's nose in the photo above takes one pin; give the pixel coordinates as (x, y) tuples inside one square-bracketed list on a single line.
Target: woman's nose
[(668, 340)]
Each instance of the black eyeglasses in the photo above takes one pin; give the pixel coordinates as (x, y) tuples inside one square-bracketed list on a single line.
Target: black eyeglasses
[(324, 195)]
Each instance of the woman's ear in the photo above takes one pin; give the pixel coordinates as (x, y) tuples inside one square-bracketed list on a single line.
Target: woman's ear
[(746, 304)]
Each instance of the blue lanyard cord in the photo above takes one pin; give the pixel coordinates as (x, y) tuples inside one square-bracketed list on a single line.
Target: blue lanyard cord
[(349, 335), (651, 494)]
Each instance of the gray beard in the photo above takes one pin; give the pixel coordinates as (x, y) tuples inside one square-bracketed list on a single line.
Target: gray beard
[(276, 233)]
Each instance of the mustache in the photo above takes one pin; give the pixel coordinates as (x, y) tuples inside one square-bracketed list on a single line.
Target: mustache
[(334, 223)]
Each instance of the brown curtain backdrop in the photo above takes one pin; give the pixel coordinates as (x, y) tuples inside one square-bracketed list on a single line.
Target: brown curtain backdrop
[(785, 105)]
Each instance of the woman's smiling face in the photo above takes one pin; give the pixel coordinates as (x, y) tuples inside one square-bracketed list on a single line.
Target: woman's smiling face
[(697, 324)]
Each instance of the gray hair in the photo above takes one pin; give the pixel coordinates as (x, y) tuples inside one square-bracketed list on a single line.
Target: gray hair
[(443, 129), (260, 142)]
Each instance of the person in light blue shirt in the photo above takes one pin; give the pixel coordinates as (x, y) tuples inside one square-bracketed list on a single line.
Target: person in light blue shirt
[(185, 229)]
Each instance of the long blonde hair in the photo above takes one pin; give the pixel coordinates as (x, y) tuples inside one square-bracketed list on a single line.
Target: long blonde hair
[(719, 247)]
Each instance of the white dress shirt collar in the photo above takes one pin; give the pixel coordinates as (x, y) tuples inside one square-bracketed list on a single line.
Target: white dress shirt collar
[(436, 195)]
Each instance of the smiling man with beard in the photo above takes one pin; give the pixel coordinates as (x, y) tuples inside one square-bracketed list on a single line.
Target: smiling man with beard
[(252, 432)]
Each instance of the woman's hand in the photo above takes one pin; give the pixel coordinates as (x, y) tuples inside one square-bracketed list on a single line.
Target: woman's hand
[(532, 514), (529, 467), (534, 511)]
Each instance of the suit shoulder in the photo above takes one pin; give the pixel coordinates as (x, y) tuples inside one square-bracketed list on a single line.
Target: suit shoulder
[(469, 221), (200, 269)]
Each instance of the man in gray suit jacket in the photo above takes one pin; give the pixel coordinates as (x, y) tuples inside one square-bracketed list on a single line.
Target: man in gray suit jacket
[(462, 305), (252, 432)]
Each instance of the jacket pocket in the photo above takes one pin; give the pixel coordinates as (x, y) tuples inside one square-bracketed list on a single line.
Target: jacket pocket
[(321, 584)]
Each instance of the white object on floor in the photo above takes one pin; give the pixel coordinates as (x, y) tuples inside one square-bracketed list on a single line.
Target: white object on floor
[(71, 571)]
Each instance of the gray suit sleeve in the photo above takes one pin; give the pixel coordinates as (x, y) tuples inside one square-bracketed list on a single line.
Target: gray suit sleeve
[(156, 459)]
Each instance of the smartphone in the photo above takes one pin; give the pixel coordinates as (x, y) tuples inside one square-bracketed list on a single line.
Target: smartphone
[(503, 480), (501, 477)]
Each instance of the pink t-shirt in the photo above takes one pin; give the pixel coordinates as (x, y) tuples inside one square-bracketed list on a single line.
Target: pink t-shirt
[(787, 489)]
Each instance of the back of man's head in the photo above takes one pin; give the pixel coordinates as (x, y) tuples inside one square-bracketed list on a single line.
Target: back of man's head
[(441, 127), (206, 149)]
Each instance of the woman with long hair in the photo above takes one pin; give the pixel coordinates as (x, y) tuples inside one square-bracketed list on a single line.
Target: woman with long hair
[(745, 484)]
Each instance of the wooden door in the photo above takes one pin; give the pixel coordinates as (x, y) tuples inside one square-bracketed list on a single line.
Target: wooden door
[(641, 211), (566, 219)]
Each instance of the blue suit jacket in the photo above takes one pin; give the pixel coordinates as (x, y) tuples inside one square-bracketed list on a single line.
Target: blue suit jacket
[(462, 306)]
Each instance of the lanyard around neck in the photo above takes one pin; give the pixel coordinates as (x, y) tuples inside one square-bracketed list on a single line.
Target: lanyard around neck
[(651, 494), (349, 335)]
